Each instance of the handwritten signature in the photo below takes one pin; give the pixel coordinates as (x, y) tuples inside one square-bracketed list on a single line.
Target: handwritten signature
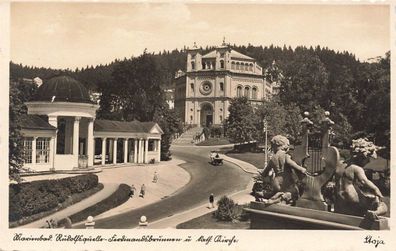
[(376, 242)]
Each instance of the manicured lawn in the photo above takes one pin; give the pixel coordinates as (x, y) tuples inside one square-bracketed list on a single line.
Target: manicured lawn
[(207, 221), (256, 159), (214, 142)]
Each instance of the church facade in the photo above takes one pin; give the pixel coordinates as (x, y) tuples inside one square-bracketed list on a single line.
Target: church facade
[(203, 93)]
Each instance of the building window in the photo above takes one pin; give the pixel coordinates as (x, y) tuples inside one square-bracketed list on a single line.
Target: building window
[(42, 150), (251, 67), (206, 88), (246, 67), (221, 119), (254, 93), (237, 65), (239, 91), (203, 65), (232, 65), (192, 88), (221, 86), (247, 92), (27, 150), (222, 64), (151, 145), (192, 66)]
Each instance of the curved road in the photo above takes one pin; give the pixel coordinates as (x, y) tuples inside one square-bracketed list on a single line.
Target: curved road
[(205, 179)]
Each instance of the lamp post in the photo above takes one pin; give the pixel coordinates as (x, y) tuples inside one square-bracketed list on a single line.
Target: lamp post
[(265, 144)]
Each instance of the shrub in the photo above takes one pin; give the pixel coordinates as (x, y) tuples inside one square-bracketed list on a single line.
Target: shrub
[(120, 196), (216, 132), (227, 210), (31, 198)]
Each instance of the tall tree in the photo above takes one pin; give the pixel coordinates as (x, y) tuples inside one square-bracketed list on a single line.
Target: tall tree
[(20, 92), (137, 83), (242, 121)]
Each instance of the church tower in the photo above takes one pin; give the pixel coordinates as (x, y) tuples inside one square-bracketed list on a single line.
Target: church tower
[(203, 93)]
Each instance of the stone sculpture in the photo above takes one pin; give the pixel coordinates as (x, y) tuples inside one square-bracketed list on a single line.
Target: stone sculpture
[(355, 193)]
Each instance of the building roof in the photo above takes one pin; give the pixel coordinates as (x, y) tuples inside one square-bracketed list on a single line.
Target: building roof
[(234, 54), (34, 122), (123, 126), (62, 89)]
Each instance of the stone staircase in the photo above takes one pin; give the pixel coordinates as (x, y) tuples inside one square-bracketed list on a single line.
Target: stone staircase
[(187, 137)]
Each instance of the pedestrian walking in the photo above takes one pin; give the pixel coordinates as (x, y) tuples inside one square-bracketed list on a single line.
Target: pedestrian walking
[(155, 178), (142, 190), (211, 201), (132, 192)]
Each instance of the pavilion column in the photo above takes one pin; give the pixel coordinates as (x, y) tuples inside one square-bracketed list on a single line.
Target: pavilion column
[(140, 152), (146, 151), (53, 120), (126, 150), (135, 152), (90, 143), (159, 150), (34, 154), (115, 151), (52, 153), (76, 136), (104, 151)]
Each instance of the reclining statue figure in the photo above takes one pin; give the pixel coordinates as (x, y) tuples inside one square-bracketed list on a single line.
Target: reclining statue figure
[(355, 193)]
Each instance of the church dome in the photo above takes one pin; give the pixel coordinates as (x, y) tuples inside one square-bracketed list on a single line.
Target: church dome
[(62, 89)]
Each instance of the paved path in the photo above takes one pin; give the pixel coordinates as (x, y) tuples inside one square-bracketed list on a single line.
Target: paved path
[(205, 179), (171, 178), (241, 198)]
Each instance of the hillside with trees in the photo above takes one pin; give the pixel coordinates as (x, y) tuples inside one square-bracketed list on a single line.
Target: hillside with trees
[(357, 94)]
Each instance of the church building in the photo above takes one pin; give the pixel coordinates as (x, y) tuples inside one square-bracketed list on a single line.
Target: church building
[(204, 91), (61, 132)]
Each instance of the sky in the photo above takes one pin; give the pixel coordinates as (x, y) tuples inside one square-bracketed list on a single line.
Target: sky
[(70, 35)]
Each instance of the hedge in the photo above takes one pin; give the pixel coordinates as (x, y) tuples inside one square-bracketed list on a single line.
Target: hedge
[(117, 198), (31, 198)]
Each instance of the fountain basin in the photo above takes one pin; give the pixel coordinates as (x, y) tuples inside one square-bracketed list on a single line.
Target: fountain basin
[(279, 216)]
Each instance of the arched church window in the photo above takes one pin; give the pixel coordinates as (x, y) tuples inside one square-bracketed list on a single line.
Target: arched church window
[(239, 91), (222, 64), (251, 67), (237, 65), (232, 65), (246, 67), (247, 92), (254, 93), (192, 65), (221, 86)]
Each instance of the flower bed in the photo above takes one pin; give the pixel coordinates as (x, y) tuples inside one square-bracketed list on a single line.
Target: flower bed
[(35, 197)]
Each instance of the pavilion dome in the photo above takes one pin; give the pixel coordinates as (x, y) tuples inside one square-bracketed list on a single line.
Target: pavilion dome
[(62, 89)]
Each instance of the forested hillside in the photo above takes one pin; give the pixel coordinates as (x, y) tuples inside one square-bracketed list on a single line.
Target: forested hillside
[(356, 93)]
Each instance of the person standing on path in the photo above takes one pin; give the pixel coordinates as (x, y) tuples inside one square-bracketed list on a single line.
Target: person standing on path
[(211, 201), (132, 192), (142, 190), (155, 178)]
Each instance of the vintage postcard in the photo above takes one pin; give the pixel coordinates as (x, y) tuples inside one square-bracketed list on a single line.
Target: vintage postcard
[(196, 125)]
